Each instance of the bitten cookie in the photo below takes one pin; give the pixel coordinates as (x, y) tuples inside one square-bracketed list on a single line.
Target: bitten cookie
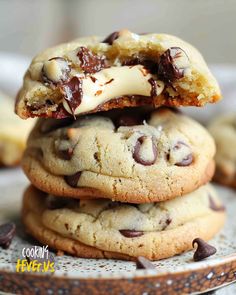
[(223, 129), (134, 156), (13, 133), (125, 69), (106, 229)]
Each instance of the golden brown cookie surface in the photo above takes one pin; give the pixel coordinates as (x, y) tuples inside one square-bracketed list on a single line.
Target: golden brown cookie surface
[(133, 157), (106, 229), (92, 74)]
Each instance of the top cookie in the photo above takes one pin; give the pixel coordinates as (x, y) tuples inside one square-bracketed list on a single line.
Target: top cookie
[(125, 69)]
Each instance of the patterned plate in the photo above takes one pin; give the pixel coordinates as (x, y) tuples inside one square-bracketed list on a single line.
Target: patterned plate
[(178, 274)]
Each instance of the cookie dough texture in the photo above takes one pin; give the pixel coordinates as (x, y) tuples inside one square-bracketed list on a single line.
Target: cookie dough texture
[(167, 156), (93, 228), (223, 129), (39, 98), (13, 133)]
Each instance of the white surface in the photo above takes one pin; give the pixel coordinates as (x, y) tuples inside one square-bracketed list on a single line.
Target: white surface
[(29, 26)]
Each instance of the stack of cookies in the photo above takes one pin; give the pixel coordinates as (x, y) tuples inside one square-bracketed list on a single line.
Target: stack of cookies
[(115, 171)]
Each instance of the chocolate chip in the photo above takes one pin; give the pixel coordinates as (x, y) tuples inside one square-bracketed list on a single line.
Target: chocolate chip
[(167, 223), (53, 202), (50, 125), (188, 159), (65, 154), (7, 232), (55, 71), (203, 251), (138, 154), (213, 206), (111, 38), (144, 263), (90, 62), (131, 233), (148, 64), (73, 93), (153, 83), (73, 179), (172, 64), (129, 120)]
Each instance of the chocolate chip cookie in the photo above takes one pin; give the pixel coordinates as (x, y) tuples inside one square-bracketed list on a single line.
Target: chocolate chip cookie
[(223, 129), (125, 69), (132, 155), (13, 133), (105, 229)]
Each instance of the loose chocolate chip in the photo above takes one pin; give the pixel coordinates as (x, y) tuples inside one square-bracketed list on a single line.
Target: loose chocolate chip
[(137, 154), (73, 179), (172, 64), (203, 251), (90, 62), (53, 124), (144, 263), (129, 120), (7, 232), (213, 206), (73, 93), (131, 233), (53, 202), (111, 38), (57, 73)]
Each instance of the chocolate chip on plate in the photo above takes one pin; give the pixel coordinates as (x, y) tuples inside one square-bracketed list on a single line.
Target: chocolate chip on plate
[(55, 71), (7, 232), (73, 93), (111, 38), (172, 64), (145, 151), (73, 179), (90, 62), (144, 263), (204, 249), (129, 233)]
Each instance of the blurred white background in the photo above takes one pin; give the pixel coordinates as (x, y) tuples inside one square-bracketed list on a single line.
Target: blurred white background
[(29, 26)]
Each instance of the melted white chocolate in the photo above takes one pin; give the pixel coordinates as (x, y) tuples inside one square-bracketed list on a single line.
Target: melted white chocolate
[(114, 82)]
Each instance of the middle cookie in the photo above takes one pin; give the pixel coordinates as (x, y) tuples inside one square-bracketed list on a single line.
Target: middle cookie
[(134, 156)]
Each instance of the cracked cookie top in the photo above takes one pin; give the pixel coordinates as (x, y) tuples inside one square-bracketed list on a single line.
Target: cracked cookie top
[(125, 69)]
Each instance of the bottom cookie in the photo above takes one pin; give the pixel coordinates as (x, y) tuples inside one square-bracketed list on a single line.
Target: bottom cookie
[(106, 229)]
